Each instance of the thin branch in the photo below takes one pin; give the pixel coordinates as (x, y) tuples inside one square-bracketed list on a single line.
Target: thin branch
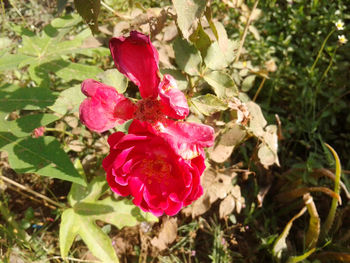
[(245, 31), (31, 197), (49, 200)]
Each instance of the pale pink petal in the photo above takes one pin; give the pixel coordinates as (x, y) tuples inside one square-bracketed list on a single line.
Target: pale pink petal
[(173, 101), (136, 58)]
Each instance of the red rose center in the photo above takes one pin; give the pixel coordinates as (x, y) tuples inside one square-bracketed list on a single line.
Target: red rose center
[(157, 169), (149, 110)]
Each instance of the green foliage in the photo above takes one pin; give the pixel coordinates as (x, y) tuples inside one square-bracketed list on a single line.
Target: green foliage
[(114, 78), (68, 101), (89, 10), (24, 126), (86, 209), (187, 57), (44, 53), (187, 12), (208, 104), (221, 81), (13, 97), (42, 156)]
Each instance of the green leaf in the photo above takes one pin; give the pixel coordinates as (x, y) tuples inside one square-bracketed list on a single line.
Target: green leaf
[(42, 156), (87, 208), (99, 244), (208, 104), (68, 230), (89, 10), (114, 78), (187, 12), (217, 59), (248, 83), (201, 40), (49, 45), (95, 189), (13, 98), (220, 81), (187, 57), (68, 100), (11, 61), (123, 213), (25, 125), (97, 241), (63, 69)]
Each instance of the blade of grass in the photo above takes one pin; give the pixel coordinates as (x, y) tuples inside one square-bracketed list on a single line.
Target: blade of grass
[(331, 214)]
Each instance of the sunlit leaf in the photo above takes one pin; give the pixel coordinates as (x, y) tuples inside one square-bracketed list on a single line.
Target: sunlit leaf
[(313, 231), (11, 61), (187, 57), (187, 12), (220, 81), (114, 78), (68, 100), (208, 104), (87, 208), (43, 156), (248, 83), (217, 59)]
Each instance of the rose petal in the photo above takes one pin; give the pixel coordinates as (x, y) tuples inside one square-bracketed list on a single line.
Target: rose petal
[(117, 188), (173, 208), (186, 138), (105, 107), (136, 188), (136, 58), (173, 101)]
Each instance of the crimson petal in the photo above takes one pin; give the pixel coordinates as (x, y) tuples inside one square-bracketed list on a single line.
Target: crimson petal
[(173, 101), (136, 58), (105, 107)]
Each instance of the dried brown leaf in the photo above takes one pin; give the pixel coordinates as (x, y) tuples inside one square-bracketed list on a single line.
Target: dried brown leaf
[(216, 186), (167, 234), (227, 206), (220, 153)]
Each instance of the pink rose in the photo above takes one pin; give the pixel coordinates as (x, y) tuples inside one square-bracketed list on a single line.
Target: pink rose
[(105, 107), (144, 164)]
